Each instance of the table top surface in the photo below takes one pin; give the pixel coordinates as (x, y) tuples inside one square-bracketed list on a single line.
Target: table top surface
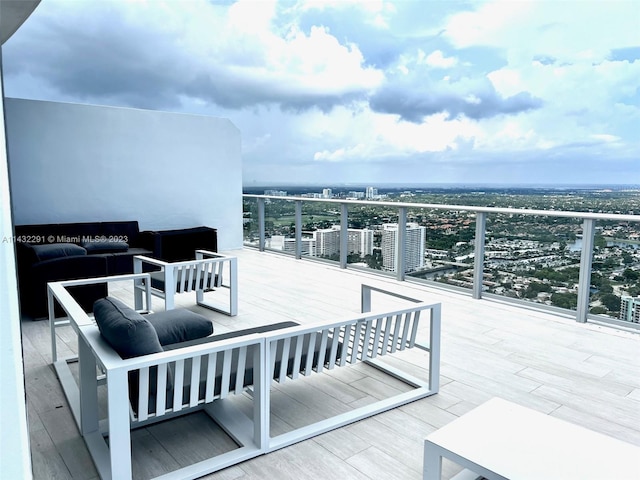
[(519, 443)]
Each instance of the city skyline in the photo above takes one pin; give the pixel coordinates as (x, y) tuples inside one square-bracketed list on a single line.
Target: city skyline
[(362, 92)]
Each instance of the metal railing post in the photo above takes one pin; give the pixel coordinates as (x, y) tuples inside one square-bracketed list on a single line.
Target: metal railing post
[(584, 281), (478, 254), (261, 224), (586, 261), (401, 244), (298, 229), (344, 235)]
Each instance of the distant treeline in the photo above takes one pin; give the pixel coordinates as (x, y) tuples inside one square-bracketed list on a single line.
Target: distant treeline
[(449, 189)]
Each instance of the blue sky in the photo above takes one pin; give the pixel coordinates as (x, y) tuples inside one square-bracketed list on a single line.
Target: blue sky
[(363, 91)]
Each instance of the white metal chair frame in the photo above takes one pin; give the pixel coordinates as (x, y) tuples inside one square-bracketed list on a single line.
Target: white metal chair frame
[(360, 339), (76, 317), (363, 339), (206, 272), (113, 460)]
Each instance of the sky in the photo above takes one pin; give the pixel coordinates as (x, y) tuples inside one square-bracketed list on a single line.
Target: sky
[(363, 92)]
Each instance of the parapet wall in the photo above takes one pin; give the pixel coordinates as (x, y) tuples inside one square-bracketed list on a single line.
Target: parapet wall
[(81, 163)]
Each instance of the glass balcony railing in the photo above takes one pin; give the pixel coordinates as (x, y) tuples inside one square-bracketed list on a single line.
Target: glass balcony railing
[(614, 273), (533, 258), (584, 264)]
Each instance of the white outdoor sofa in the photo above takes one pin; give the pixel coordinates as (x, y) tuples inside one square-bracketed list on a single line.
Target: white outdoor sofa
[(205, 375)]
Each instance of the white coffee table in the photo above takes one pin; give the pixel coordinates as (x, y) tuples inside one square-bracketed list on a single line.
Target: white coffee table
[(503, 440)]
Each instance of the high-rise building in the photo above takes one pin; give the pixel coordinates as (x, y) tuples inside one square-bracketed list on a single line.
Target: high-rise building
[(372, 192), (416, 236), (355, 195), (327, 241), (360, 241), (279, 242), (630, 309), (326, 193)]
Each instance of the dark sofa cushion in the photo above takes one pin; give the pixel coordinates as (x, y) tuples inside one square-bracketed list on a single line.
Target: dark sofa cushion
[(181, 244), (128, 332), (180, 325), (105, 247), (124, 231), (49, 251), (34, 271), (33, 293), (26, 256)]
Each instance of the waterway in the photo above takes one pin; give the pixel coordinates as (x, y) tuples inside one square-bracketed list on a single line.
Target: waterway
[(630, 244)]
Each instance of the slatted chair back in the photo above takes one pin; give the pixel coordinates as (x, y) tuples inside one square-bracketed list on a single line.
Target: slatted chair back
[(302, 351), (200, 274), (312, 349), (208, 271), (198, 379), (189, 377), (169, 383)]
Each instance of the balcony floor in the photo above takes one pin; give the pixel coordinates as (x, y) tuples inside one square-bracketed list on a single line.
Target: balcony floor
[(584, 373)]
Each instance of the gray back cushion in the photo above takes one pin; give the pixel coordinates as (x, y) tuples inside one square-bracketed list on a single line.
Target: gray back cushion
[(48, 251), (128, 332), (179, 325), (105, 247)]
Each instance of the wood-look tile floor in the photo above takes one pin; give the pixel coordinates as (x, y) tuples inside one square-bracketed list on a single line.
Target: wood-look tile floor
[(584, 373)]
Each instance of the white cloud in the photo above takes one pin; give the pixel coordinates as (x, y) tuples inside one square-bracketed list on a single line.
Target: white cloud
[(559, 52), (437, 59), (242, 41), (605, 137), (489, 24), (582, 30), (301, 79), (319, 61), (375, 137)]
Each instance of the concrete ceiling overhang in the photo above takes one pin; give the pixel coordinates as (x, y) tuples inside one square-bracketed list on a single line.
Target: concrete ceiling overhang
[(13, 13)]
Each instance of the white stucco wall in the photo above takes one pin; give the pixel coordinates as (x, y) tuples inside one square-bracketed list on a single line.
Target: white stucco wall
[(76, 163), (15, 457)]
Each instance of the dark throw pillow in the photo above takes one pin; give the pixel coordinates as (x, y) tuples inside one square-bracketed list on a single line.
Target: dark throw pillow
[(49, 251), (181, 325), (105, 247), (128, 332)]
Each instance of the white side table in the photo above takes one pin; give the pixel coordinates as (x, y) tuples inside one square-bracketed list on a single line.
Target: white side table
[(501, 440)]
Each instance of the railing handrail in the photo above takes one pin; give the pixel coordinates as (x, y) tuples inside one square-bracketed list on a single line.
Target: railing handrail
[(439, 206), (588, 219)]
